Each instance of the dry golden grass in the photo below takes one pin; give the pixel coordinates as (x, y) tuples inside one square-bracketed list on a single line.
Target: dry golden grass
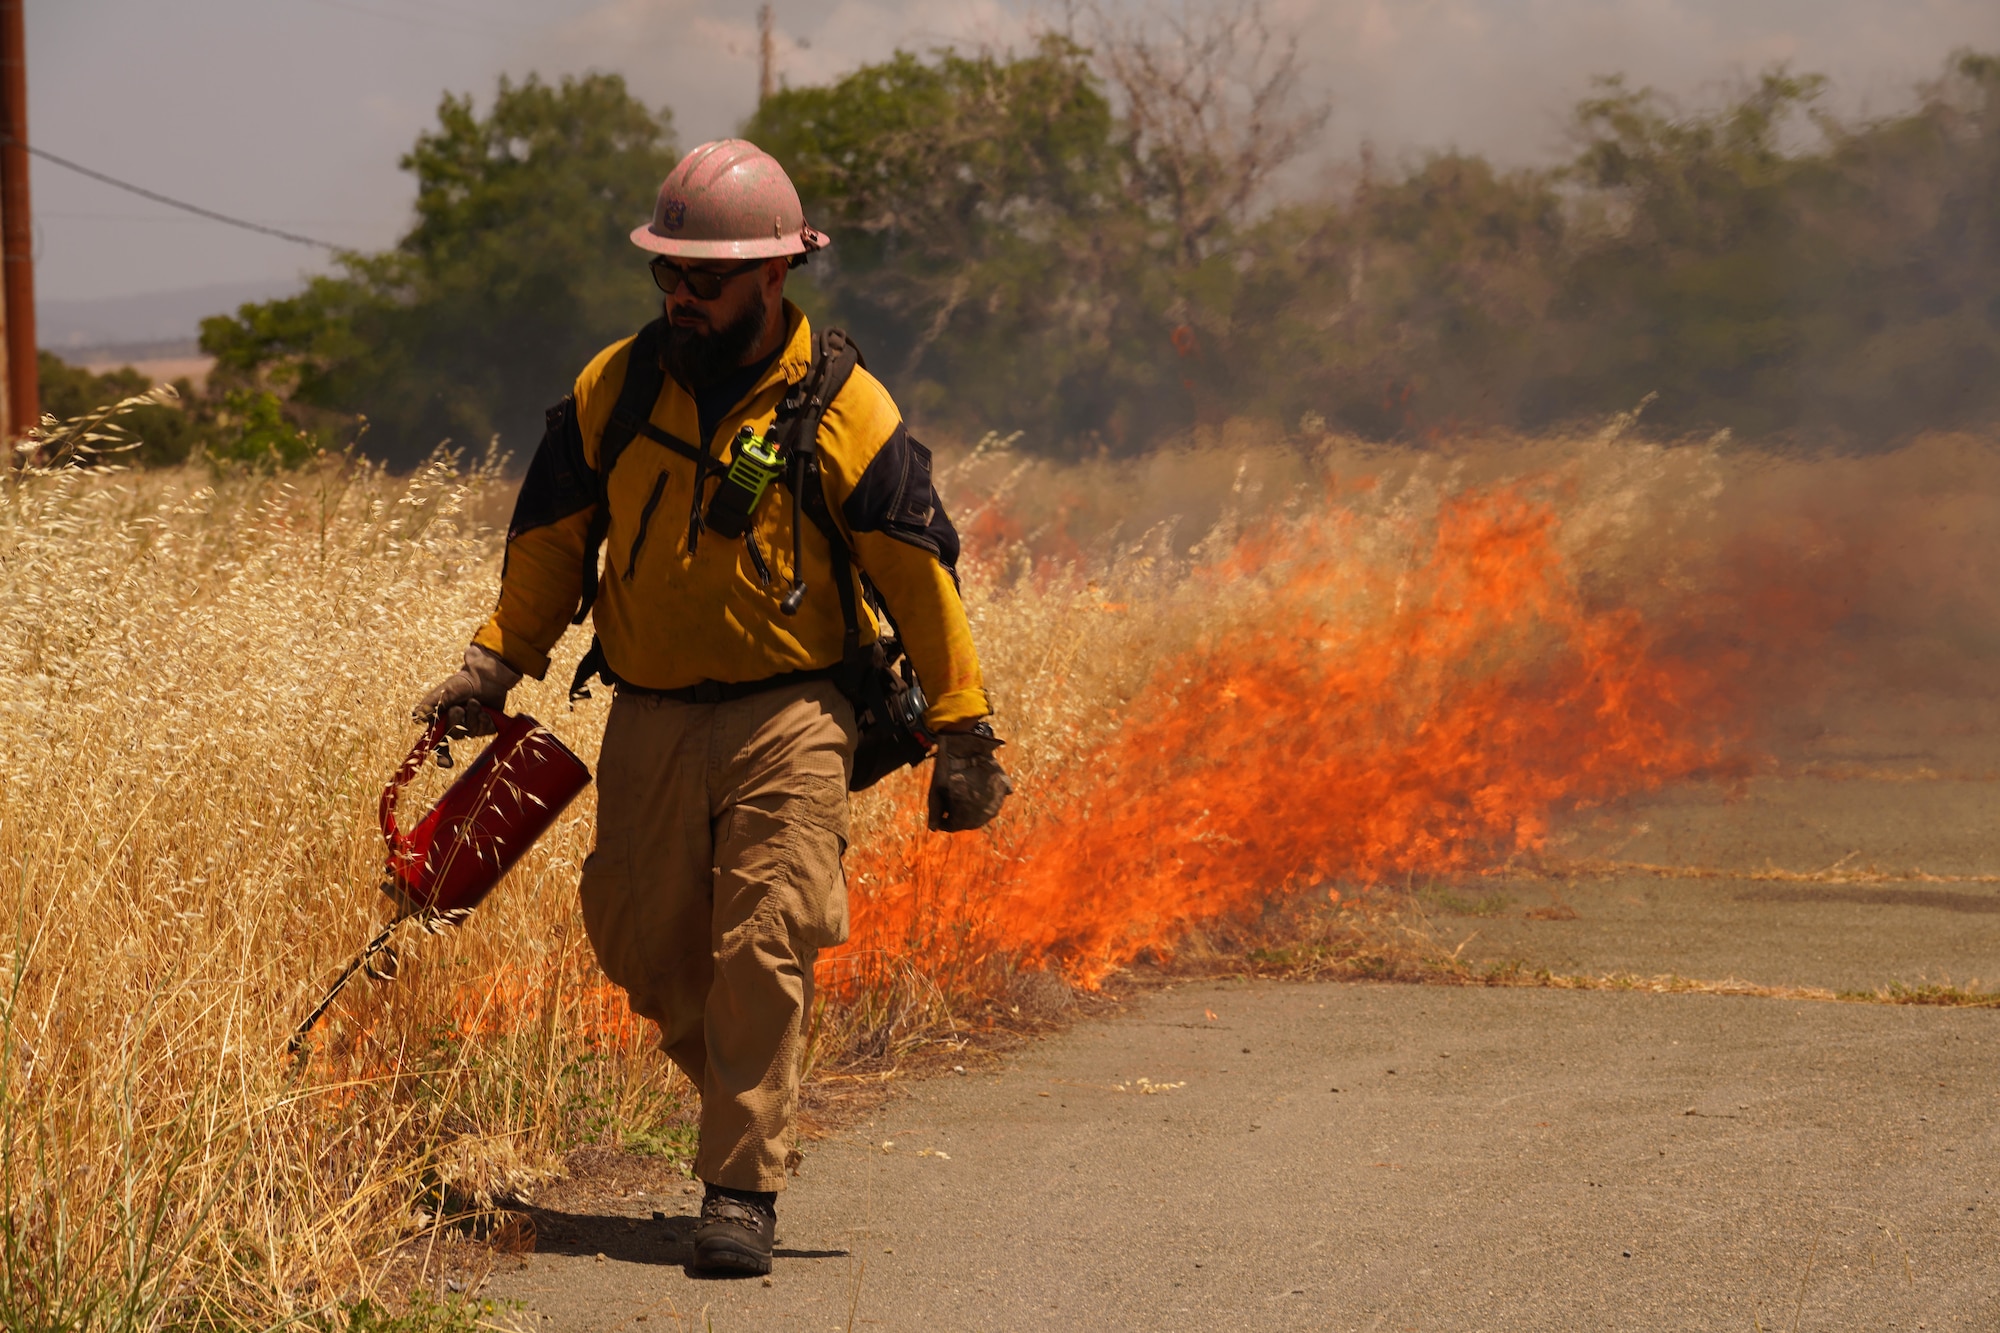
[(203, 686), (205, 679)]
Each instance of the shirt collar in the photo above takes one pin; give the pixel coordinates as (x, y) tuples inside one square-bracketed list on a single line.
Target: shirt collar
[(796, 358)]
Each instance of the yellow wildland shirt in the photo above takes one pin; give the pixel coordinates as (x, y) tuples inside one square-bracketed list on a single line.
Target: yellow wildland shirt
[(670, 618)]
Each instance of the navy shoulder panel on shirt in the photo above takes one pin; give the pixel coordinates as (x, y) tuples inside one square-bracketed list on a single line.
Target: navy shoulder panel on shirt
[(560, 480), (896, 496)]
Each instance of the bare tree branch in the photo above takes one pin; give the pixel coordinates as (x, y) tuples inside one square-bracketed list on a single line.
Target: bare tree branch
[(1211, 101)]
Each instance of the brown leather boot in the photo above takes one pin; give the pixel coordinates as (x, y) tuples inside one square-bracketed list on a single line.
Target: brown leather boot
[(734, 1237)]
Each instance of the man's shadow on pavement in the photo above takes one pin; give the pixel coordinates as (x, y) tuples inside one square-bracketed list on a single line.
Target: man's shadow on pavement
[(667, 1241)]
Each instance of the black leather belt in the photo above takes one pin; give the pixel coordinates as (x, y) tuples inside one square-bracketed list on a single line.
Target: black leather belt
[(725, 691)]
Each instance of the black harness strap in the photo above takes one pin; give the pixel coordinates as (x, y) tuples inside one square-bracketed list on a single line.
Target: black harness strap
[(843, 567), (878, 680), (705, 463), (799, 417), (645, 376)]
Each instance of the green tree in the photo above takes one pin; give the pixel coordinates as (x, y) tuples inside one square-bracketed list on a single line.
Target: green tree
[(1416, 304), (1693, 286), (1906, 335), (1850, 287), (1049, 241), (518, 269), (985, 252), (165, 434), (1082, 243)]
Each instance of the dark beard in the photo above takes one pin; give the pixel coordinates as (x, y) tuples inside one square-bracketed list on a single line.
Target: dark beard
[(701, 360)]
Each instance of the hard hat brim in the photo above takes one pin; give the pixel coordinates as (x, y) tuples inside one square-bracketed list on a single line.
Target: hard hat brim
[(803, 241)]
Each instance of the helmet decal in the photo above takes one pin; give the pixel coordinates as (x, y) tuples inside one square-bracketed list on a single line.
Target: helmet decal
[(674, 214)]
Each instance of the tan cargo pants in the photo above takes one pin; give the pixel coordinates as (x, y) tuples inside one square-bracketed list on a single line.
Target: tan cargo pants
[(715, 882)]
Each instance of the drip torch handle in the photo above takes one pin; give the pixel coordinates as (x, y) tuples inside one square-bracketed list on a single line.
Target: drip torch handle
[(432, 742), (426, 745)]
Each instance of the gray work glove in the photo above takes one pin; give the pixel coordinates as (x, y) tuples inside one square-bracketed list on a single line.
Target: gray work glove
[(484, 679), (967, 784)]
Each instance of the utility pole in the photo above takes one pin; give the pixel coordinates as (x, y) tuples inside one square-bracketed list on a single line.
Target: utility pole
[(767, 55), (23, 408)]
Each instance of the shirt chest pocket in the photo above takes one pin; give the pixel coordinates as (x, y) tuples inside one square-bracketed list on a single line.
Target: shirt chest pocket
[(668, 512), (645, 504)]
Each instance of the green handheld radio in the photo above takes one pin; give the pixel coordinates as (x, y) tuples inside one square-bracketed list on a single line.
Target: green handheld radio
[(754, 465)]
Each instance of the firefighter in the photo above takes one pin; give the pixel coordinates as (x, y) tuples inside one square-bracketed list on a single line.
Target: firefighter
[(723, 780)]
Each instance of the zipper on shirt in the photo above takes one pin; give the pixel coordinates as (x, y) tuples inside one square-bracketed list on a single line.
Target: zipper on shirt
[(645, 521), (757, 558)]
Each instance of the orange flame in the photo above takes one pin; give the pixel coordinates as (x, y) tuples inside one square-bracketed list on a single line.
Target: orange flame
[(515, 998), (1480, 696)]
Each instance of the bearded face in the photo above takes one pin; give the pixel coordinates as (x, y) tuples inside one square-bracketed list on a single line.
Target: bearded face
[(703, 346)]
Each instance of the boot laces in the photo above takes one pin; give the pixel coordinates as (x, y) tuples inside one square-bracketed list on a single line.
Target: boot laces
[(722, 1208)]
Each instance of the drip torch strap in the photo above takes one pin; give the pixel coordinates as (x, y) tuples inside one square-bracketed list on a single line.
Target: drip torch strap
[(726, 691)]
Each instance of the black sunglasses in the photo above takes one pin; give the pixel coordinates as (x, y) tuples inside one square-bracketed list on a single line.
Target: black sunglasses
[(704, 284)]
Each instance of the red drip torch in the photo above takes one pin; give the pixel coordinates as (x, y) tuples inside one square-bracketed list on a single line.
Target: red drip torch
[(445, 866)]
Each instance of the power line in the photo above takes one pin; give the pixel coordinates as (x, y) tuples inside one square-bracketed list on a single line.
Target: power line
[(183, 205), (124, 215)]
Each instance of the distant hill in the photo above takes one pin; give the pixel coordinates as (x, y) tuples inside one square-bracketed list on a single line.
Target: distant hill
[(154, 320)]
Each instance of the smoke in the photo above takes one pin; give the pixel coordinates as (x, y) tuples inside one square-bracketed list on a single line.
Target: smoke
[(1395, 667), (1479, 76), (1498, 79)]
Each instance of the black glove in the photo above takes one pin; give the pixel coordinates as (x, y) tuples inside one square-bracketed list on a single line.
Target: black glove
[(967, 783), (484, 679)]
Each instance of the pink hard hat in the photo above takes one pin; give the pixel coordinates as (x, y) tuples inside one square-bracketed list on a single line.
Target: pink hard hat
[(728, 199)]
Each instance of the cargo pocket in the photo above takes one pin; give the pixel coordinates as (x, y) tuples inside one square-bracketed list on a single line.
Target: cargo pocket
[(821, 912), (778, 874)]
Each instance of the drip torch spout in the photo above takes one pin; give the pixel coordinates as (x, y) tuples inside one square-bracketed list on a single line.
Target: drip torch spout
[(365, 959)]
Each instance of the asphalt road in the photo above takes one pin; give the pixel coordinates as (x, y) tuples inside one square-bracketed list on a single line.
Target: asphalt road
[(1352, 1156), (1842, 936)]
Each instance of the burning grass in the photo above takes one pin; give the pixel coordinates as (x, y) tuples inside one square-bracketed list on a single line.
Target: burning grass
[(1349, 669)]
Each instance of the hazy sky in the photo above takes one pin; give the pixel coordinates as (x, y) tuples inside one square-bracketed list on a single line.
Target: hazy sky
[(293, 112)]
